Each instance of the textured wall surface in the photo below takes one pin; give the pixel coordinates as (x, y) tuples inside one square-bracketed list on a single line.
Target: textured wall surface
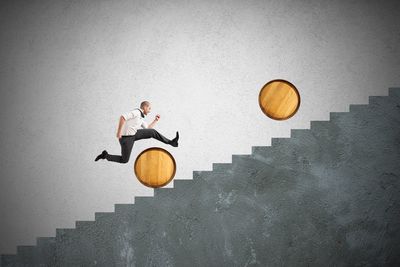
[(328, 196), (68, 69)]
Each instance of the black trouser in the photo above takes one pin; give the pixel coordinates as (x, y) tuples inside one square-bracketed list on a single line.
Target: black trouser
[(126, 142)]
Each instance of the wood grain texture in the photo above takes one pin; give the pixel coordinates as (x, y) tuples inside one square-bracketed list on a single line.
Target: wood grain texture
[(279, 99), (155, 167)]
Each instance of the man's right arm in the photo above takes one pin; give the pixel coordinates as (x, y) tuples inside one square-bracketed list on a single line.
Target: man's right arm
[(120, 125)]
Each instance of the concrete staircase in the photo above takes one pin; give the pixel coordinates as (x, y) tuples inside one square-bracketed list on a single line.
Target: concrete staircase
[(326, 196)]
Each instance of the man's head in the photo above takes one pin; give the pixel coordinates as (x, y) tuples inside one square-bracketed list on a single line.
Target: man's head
[(146, 107)]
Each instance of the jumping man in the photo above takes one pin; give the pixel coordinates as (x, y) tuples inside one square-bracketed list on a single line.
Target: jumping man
[(133, 133)]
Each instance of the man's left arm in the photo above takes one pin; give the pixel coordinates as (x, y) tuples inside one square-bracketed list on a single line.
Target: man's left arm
[(151, 125)]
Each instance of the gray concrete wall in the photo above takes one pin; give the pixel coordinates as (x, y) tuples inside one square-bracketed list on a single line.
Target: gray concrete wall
[(68, 69), (328, 196)]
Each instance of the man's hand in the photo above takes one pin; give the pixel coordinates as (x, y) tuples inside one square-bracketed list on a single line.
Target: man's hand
[(119, 135), (154, 122)]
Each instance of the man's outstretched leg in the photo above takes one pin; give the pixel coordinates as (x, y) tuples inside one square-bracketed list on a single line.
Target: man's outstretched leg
[(126, 143), (153, 133)]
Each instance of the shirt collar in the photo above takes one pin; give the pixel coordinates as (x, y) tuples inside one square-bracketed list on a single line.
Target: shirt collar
[(141, 112)]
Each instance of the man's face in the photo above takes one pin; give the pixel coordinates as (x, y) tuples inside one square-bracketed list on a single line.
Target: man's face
[(146, 109)]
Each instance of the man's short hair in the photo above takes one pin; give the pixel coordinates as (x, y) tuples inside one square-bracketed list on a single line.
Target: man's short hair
[(144, 104)]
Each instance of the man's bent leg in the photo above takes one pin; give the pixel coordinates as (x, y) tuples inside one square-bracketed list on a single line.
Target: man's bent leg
[(151, 133), (126, 143)]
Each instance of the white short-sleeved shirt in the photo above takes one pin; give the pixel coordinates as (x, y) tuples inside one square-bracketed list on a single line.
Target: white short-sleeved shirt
[(134, 121)]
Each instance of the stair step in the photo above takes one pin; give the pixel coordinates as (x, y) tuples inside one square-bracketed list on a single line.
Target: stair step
[(238, 157), (278, 141), (296, 133), (337, 115), (199, 174), (394, 92), (377, 99), (317, 125), (25, 255), (182, 187), (221, 167), (45, 249), (163, 191), (385, 104), (45, 241), (124, 208), (358, 107), (62, 232), (8, 260), (183, 183), (84, 224), (260, 149), (238, 161), (103, 215), (140, 200), (26, 252)]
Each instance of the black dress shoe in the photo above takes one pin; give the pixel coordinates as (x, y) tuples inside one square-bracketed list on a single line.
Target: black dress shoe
[(102, 155), (176, 137), (174, 142)]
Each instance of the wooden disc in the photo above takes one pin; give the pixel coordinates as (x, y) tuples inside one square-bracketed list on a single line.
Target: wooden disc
[(155, 167), (279, 99)]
